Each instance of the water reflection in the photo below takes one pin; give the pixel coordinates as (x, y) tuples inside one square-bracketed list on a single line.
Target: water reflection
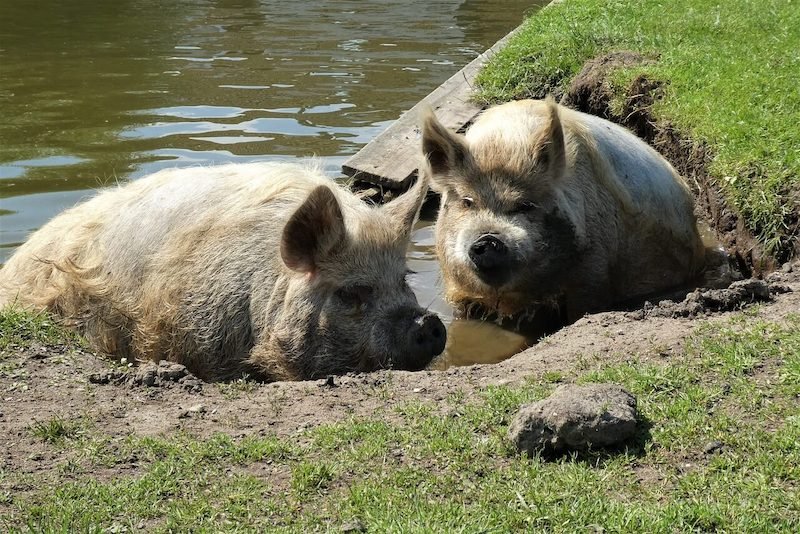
[(115, 88)]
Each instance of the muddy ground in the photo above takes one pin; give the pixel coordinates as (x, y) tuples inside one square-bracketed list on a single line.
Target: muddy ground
[(42, 382)]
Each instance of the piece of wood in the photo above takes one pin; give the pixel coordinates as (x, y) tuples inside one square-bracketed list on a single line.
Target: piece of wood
[(392, 158)]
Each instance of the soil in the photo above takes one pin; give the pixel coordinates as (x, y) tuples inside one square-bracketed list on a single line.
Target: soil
[(59, 381)]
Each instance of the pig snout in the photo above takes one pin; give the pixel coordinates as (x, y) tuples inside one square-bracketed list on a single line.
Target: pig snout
[(491, 259), (426, 339), (422, 335)]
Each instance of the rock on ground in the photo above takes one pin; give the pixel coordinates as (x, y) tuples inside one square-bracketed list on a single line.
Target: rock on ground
[(575, 418)]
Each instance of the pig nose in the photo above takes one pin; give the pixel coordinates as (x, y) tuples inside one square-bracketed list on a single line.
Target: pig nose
[(491, 259), (426, 339)]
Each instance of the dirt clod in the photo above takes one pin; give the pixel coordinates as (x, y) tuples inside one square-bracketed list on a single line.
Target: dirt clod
[(703, 301), (194, 410), (38, 352), (170, 371), (162, 374), (108, 376), (575, 418), (146, 375)]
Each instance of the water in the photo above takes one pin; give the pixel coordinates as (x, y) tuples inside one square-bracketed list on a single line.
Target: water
[(96, 93)]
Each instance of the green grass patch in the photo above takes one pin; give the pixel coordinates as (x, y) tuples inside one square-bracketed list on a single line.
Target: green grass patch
[(447, 466), (23, 328), (56, 430), (730, 72)]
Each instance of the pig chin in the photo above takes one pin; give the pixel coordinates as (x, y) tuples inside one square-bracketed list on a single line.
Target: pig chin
[(503, 302), (464, 289)]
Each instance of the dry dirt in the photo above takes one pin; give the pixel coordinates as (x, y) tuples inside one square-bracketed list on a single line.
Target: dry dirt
[(52, 381)]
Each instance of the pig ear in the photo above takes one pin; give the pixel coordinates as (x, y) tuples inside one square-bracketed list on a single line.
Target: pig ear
[(444, 151), (549, 147), (404, 210), (314, 230)]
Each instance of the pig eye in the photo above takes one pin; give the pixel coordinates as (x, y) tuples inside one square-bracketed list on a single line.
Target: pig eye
[(354, 296), (523, 207), (467, 202)]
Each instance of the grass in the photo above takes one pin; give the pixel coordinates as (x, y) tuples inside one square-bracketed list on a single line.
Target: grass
[(56, 430), (730, 71), (447, 466), (23, 328)]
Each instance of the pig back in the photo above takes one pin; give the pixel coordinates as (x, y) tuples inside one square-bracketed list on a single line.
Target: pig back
[(175, 242), (172, 212), (651, 188)]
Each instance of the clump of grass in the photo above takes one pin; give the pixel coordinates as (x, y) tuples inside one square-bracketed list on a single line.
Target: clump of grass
[(22, 328), (744, 344), (310, 477), (730, 80), (236, 388), (56, 430)]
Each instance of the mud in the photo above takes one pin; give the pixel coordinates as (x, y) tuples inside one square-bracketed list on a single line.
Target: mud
[(700, 302)]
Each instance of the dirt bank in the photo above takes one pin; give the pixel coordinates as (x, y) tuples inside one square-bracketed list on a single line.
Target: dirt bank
[(591, 91)]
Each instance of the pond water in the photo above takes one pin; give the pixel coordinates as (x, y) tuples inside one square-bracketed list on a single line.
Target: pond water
[(97, 93)]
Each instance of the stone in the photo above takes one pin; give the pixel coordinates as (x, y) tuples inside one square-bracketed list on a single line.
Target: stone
[(354, 526), (575, 417), (170, 371), (714, 447), (197, 408)]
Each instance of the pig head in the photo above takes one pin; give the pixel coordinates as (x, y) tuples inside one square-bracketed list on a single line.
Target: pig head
[(547, 207)]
